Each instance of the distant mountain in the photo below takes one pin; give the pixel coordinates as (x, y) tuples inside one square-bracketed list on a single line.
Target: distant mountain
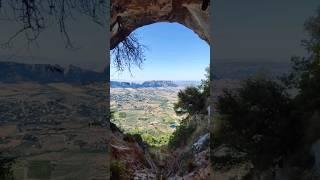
[(239, 69), (187, 83), (12, 72), (145, 84)]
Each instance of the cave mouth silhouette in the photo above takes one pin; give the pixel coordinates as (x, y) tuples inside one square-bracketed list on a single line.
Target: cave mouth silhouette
[(174, 53), (132, 15)]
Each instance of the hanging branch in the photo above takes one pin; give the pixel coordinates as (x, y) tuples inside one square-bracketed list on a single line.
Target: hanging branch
[(34, 14), (128, 52)]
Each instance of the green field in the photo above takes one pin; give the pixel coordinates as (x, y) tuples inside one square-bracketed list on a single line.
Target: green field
[(148, 112)]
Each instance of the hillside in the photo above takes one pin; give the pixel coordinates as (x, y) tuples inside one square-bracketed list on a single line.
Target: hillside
[(12, 72)]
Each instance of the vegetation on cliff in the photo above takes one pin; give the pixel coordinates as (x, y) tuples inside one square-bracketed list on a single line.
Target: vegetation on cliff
[(191, 101), (271, 121)]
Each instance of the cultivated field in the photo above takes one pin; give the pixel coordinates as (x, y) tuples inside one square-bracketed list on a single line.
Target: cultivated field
[(56, 131), (146, 111)]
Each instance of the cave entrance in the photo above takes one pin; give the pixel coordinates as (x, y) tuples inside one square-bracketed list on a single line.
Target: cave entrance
[(143, 99)]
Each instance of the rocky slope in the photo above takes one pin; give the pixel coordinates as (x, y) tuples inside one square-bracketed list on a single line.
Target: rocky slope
[(188, 162), (128, 151)]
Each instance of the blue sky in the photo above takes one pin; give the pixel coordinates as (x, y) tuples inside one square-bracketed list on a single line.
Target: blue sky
[(174, 53)]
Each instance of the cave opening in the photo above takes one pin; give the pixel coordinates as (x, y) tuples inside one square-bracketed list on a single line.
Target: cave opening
[(143, 99)]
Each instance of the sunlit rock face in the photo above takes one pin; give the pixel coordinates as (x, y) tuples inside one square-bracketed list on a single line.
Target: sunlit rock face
[(128, 15)]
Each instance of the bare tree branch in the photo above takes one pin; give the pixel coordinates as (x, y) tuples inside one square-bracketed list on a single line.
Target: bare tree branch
[(128, 53), (34, 14)]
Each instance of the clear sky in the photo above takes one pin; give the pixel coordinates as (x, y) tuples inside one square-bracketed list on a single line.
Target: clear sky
[(174, 53)]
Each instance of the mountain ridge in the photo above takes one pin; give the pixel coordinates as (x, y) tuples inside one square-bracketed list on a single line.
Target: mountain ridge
[(13, 72), (145, 84)]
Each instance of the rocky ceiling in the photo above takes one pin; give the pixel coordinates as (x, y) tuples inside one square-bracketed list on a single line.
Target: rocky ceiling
[(128, 15)]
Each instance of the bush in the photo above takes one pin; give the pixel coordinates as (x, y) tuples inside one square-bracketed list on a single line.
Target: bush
[(257, 119), (192, 100), (180, 136), (304, 78), (265, 122)]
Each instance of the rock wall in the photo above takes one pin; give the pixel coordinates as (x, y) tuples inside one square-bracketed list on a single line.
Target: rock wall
[(128, 15)]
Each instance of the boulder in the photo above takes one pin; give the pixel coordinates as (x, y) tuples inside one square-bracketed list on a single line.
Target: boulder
[(201, 144)]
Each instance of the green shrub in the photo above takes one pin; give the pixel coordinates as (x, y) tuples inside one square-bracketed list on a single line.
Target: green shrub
[(257, 121), (190, 101), (180, 136), (261, 119), (304, 79)]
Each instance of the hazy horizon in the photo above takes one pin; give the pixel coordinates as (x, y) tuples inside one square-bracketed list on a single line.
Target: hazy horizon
[(137, 81)]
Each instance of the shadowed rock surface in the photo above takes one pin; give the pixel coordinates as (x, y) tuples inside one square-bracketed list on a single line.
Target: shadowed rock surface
[(127, 16)]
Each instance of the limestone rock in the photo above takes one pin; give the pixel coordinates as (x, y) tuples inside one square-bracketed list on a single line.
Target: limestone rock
[(201, 144), (128, 15)]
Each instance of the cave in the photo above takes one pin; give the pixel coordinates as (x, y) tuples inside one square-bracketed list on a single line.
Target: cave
[(175, 58), (127, 16)]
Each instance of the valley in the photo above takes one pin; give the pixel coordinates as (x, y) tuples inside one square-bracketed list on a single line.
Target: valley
[(146, 111), (55, 130)]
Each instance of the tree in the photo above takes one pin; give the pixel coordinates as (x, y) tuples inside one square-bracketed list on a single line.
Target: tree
[(305, 73), (304, 78), (205, 84), (179, 136), (190, 101), (257, 121), (267, 123), (34, 15), (129, 52)]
